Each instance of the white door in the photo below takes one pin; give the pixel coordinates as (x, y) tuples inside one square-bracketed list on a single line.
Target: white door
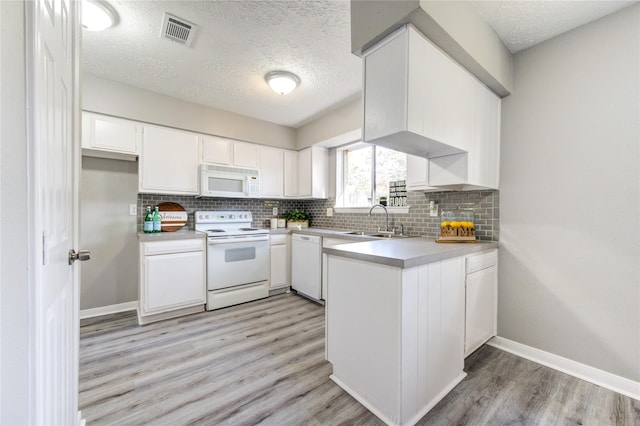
[(53, 114)]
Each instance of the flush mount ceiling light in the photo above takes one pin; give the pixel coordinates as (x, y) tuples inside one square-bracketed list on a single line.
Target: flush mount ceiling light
[(282, 82), (97, 15)]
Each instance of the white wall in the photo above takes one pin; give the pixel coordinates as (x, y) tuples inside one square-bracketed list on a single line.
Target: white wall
[(107, 187), (14, 297), (332, 124), (570, 197), (121, 100)]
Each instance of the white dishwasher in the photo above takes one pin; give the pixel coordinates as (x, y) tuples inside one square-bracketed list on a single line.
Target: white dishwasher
[(306, 265)]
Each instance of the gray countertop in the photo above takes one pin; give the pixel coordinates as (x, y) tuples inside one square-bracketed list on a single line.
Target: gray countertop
[(322, 232), (168, 236), (407, 252)]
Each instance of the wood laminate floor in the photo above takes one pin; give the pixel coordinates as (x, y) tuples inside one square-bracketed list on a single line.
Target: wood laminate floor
[(263, 363)]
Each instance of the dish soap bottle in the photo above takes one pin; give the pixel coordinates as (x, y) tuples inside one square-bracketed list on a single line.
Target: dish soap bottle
[(157, 221), (147, 227)]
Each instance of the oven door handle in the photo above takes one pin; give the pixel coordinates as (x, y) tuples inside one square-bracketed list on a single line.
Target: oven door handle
[(214, 241)]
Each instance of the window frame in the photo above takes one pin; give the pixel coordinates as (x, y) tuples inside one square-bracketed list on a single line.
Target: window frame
[(341, 162)]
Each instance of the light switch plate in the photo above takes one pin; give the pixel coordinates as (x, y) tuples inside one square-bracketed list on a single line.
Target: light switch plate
[(133, 210), (329, 212)]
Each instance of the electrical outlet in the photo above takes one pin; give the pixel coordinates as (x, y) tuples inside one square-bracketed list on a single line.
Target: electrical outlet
[(133, 210), (275, 211), (434, 211), (329, 212)]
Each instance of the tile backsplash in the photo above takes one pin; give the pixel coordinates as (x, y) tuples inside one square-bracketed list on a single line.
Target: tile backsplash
[(485, 205)]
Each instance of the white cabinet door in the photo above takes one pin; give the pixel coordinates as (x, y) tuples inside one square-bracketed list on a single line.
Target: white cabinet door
[(313, 173), (271, 172), (173, 281), (280, 275), (385, 83), (216, 150), (290, 173), (245, 155), (418, 174), (418, 100), (481, 301), (304, 173), (109, 134), (168, 161), (227, 152)]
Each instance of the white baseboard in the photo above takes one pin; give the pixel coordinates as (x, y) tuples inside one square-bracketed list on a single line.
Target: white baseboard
[(585, 372), (111, 309)]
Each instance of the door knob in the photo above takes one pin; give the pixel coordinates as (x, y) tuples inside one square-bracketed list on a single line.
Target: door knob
[(81, 255)]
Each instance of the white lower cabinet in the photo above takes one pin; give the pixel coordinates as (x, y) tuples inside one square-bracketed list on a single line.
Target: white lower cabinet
[(480, 299), (280, 276), (172, 279), (395, 336), (329, 242)]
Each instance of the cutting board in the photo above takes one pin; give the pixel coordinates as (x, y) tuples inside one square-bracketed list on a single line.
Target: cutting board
[(173, 216)]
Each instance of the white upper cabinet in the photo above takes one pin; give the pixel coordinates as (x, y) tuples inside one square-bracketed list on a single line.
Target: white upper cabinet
[(290, 173), (245, 155), (271, 161), (480, 166), (227, 152), (418, 174), (419, 101), (168, 161), (313, 176), (109, 137), (216, 150)]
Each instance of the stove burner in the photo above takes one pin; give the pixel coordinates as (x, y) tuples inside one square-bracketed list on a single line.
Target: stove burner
[(247, 229), (214, 230)]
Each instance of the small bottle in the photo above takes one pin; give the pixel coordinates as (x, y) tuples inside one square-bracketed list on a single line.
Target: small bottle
[(148, 221), (157, 221)]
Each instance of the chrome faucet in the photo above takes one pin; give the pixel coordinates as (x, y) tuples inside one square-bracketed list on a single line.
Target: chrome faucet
[(386, 214)]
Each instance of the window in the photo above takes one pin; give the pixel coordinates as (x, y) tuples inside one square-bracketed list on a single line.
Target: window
[(365, 172)]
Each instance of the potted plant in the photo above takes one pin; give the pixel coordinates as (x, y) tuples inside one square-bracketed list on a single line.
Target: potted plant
[(297, 218)]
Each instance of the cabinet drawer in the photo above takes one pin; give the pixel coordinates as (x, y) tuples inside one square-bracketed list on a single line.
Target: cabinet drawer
[(174, 246), (279, 239), (478, 262)]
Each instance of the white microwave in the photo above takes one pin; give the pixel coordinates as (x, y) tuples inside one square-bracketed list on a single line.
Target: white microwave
[(217, 181)]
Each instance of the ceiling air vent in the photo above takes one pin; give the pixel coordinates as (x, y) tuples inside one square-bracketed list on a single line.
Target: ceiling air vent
[(177, 29)]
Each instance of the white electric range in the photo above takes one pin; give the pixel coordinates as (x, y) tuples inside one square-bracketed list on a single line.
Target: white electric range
[(237, 258)]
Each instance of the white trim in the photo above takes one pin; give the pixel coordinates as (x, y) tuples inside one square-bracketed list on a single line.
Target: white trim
[(111, 309), (392, 210), (416, 417), (585, 372), (362, 400)]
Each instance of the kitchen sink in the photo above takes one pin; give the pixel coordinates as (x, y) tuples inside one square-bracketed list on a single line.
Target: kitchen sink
[(375, 234), (387, 236)]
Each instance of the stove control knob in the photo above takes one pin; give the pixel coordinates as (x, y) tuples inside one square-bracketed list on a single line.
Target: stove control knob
[(232, 216)]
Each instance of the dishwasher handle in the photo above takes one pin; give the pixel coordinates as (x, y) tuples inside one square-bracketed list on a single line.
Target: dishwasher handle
[(306, 238)]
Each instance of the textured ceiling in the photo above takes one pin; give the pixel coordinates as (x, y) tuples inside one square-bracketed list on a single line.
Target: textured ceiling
[(239, 41), (521, 24)]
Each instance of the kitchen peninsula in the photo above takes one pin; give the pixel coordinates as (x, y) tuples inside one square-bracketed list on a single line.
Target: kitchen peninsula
[(396, 322)]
